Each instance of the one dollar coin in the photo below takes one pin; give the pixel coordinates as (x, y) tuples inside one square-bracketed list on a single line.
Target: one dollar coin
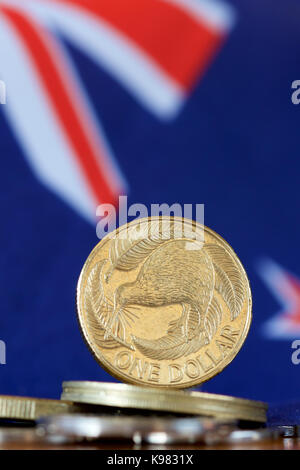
[(164, 302)]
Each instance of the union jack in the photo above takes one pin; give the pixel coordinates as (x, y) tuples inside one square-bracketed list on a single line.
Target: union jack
[(156, 49)]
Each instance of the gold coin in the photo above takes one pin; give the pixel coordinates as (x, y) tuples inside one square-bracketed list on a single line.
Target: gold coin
[(196, 403), (164, 302), (30, 409)]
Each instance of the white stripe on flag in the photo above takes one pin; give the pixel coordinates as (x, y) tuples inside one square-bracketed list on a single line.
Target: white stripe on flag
[(217, 14), (275, 278), (122, 58), (30, 114)]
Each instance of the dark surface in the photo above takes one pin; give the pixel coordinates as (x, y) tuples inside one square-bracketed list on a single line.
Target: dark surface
[(278, 444)]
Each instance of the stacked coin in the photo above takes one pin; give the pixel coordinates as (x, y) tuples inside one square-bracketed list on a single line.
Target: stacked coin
[(128, 397), (163, 304), (30, 409)]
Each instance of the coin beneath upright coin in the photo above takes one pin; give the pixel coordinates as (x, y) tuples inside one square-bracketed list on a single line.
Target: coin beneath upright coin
[(128, 397), (164, 302)]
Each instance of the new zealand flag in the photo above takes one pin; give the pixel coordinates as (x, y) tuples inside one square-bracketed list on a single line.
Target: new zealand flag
[(188, 101)]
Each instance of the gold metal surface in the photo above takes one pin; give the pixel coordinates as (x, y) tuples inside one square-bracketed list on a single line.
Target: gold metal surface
[(146, 398), (23, 408), (164, 303)]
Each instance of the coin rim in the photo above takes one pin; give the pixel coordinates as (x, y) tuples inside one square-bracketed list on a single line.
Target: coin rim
[(106, 365), (11, 408), (133, 397)]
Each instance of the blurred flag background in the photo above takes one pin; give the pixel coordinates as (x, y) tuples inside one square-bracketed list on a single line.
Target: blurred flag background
[(183, 101)]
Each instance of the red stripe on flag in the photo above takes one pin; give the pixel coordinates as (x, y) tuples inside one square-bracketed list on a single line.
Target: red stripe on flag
[(55, 86), (180, 43)]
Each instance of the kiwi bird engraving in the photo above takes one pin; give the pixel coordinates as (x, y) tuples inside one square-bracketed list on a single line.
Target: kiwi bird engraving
[(172, 274)]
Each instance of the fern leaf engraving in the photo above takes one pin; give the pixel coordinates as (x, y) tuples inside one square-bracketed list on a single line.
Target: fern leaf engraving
[(98, 311), (126, 254), (228, 281)]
